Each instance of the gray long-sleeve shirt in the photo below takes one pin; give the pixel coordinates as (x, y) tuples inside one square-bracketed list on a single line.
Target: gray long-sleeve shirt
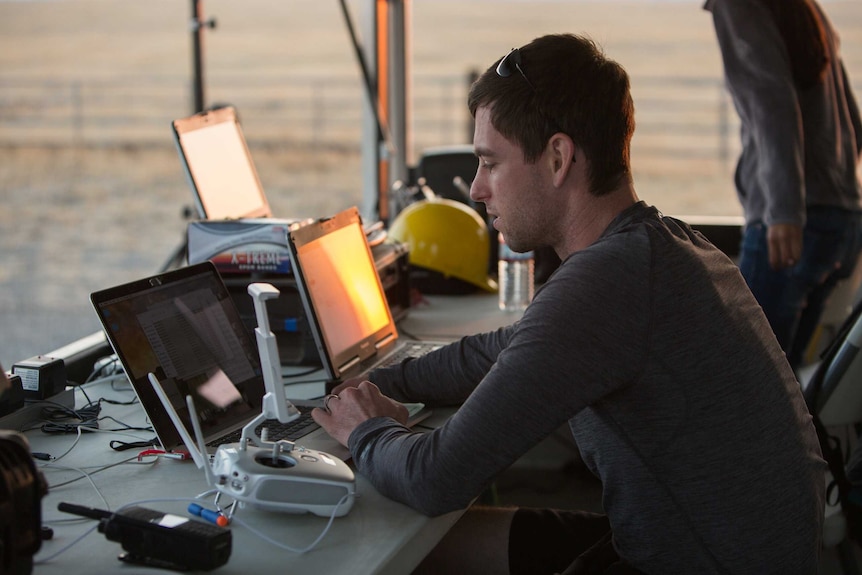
[(800, 148), (650, 346)]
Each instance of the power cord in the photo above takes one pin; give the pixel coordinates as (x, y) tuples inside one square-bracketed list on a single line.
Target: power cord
[(86, 418), (58, 417)]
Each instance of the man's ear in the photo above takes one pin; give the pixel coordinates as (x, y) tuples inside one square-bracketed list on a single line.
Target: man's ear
[(562, 151)]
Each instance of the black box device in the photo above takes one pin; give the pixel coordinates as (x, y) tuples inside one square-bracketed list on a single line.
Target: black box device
[(161, 539)]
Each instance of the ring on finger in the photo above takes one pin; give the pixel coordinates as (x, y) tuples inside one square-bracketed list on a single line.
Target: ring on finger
[(327, 399)]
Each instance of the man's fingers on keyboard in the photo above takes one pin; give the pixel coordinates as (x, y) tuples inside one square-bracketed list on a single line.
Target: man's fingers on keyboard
[(354, 382)]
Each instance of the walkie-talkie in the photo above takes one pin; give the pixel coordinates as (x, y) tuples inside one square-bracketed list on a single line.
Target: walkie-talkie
[(161, 539)]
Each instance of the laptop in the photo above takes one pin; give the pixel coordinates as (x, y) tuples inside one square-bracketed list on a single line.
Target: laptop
[(183, 326), (218, 166), (344, 300)]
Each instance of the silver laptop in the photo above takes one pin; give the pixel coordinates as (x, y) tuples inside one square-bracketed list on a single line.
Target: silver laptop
[(183, 326), (344, 300), (218, 166)]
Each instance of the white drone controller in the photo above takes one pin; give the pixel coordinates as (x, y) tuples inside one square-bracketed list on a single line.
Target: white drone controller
[(275, 476)]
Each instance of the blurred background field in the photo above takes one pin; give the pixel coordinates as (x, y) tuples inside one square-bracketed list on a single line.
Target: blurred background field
[(93, 194)]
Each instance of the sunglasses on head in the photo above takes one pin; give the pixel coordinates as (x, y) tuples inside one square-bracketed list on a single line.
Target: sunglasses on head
[(511, 63)]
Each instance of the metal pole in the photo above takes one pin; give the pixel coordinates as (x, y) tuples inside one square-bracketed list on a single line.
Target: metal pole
[(399, 89), (197, 25)]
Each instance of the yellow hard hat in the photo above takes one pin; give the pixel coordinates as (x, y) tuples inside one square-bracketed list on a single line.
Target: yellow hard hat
[(448, 237)]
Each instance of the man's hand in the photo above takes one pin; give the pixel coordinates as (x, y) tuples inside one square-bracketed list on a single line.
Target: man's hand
[(785, 245), (352, 382), (354, 404)]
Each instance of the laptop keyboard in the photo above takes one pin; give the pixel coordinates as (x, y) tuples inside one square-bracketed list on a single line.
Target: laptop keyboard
[(417, 349), (277, 430), (304, 425)]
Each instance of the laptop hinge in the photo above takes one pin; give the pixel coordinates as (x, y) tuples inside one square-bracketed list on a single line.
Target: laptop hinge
[(345, 366), (385, 341)]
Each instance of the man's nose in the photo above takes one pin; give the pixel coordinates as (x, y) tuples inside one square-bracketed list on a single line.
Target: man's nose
[(477, 188)]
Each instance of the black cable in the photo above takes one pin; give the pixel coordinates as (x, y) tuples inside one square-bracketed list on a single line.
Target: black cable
[(132, 401), (60, 419), (383, 133), (125, 426), (87, 397), (55, 428), (118, 445), (57, 412)]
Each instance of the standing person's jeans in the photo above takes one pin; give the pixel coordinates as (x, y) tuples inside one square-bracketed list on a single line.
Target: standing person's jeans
[(794, 298)]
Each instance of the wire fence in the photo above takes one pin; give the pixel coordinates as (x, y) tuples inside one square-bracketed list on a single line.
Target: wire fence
[(677, 117)]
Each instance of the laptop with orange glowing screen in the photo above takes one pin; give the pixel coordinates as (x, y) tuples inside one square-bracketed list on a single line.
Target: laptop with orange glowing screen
[(344, 300)]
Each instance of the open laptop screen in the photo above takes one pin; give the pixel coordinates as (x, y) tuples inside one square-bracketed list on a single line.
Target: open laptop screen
[(338, 274), (183, 326), (219, 167)]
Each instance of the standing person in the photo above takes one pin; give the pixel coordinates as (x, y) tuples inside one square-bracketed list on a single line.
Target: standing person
[(645, 341), (797, 174)]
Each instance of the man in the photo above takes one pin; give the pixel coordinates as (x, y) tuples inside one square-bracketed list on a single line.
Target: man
[(645, 341), (797, 174)]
